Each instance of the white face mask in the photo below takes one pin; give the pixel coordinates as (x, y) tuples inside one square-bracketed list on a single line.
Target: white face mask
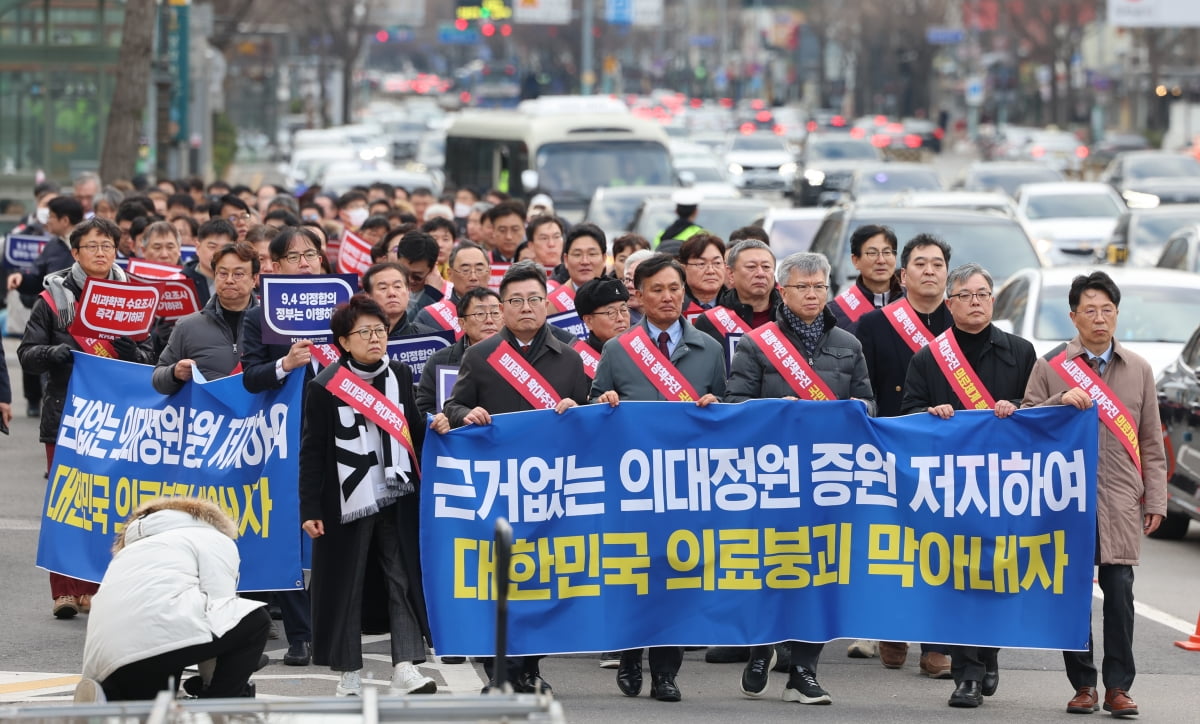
[(462, 211), (42, 214), (357, 216)]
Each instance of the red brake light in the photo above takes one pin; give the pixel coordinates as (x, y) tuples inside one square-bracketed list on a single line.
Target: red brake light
[(1081, 151), (881, 120), (881, 140), (697, 102), (812, 126), (1037, 152), (756, 104), (837, 121), (763, 116), (778, 129), (938, 133), (858, 132), (912, 140), (746, 128), (727, 103)]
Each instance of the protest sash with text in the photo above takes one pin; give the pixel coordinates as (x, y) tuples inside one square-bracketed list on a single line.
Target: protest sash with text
[(692, 311), (1113, 413), (665, 377), (853, 302), (324, 354), (591, 360), (384, 412), (963, 378), (903, 318), (516, 370), (790, 364), (446, 315), (562, 298), (724, 320)]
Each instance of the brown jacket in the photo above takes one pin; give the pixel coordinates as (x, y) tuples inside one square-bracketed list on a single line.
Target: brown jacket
[(1122, 496)]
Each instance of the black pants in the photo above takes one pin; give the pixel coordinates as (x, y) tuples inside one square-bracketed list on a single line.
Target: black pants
[(1118, 668), (236, 652), (663, 659), (295, 609), (805, 654), (968, 663), (517, 666)]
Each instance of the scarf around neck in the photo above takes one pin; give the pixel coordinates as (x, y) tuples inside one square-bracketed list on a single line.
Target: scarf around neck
[(810, 334), (64, 297)]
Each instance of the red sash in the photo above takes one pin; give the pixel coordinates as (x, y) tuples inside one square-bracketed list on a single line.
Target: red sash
[(693, 310), (790, 364), (89, 345), (347, 387), (903, 318), (562, 298), (446, 315), (658, 369), (725, 321), (1113, 413), (853, 302), (958, 372), (591, 360), (324, 354), (515, 369)]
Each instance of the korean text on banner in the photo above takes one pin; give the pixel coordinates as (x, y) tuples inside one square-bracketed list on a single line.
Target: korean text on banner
[(299, 306)]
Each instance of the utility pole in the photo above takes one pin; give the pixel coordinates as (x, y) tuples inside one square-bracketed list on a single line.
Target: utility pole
[(587, 75)]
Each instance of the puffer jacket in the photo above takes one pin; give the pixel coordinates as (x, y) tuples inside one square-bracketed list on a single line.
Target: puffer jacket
[(206, 339), (172, 583)]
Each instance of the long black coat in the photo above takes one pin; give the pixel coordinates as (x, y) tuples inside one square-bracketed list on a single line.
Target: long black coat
[(320, 499), (1003, 368), (888, 355), (427, 388)]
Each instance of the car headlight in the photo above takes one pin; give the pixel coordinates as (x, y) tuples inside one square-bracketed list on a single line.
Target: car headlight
[(814, 177), (1140, 200), (788, 168), (1044, 246), (736, 169)]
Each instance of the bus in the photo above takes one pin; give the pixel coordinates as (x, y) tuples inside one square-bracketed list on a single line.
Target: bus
[(551, 146)]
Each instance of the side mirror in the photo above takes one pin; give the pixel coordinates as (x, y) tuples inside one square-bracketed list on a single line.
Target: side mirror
[(529, 179)]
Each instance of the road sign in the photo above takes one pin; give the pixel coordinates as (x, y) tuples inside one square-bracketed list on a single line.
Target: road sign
[(936, 35), (973, 90)]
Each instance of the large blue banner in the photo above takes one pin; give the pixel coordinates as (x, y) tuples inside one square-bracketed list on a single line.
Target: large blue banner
[(659, 523), (121, 443)]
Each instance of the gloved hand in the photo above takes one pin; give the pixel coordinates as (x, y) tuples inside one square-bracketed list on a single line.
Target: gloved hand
[(126, 349), (60, 354)]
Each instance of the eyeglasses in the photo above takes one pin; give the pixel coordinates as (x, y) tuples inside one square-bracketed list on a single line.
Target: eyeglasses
[(714, 264), (1093, 312), (483, 316), (806, 288), (581, 255), (293, 257), (238, 275), (628, 281), (965, 297), (876, 253), (233, 218), (370, 332), (108, 247), (615, 314), (518, 302), (471, 269)]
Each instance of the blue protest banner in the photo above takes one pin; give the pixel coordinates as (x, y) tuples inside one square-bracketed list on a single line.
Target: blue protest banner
[(21, 250), (299, 306), (447, 375), (121, 444), (416, 349), (761, 522), (187, 252), (571, 322)]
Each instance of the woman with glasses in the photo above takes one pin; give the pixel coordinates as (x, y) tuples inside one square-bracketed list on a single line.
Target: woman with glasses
[(47, 347), (703, 259), (359, 481)]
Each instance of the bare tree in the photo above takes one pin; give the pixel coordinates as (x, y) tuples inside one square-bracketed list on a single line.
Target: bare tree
[(118, 157), (343, 27), (1050, 29)]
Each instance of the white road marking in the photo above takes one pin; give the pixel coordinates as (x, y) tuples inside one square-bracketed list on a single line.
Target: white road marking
[(1147, 611), (20, 524)]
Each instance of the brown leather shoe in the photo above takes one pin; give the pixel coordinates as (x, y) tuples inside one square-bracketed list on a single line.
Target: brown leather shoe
[(893, 653), (935, 665), (1118, 702), (85, 603), (65, 607), (1086, 701)]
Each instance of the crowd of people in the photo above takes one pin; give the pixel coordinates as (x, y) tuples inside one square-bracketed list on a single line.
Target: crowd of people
[(653, 316)]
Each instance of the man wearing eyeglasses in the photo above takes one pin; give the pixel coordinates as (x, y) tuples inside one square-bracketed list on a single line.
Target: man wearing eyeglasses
[(479, 316), (972, 365), (890, 337), (209, 339), (469, 269), (751, 301), (873, 254), (603, 305), (484, 388), (418, 252), (213, 235), (237, 212)]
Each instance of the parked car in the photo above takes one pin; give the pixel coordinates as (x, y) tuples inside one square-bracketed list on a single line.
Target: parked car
[(1129, 169), (1182, 250), (760, 162), (1179, 407), (706, 176), (995, 201), (1140, 234), (613, 208), (997, 242), (1158, 311), (1158, 191), (1006, 176), (1104, 151), (1071, 221), (1059, 150), (827, 164)]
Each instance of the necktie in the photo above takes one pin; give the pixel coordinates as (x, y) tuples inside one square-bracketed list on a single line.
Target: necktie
[(1097, 364), (526, 349), (663, 338)]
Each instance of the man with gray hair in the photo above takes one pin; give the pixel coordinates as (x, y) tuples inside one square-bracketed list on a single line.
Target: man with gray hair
[(751, 300), (804, 335), (86, 186), (160, 243), (971, 366)]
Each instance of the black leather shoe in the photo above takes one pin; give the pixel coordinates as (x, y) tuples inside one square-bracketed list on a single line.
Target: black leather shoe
[(662, 687), (298, 654), (531, 682), (629, 678), (991, 679), (454, 659), (967, 695)]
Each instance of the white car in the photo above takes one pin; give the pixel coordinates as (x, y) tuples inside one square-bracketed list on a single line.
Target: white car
[(706, 176), (1157, 313), (760, 162), (1070, 222)]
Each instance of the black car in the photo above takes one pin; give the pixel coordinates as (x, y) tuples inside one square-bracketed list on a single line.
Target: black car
[(1179, 406), (828, 163), (996, 241)]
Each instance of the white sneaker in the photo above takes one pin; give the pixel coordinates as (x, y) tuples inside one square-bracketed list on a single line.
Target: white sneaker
[(89, 691), (862, 649), (350, 685), (406, 679)]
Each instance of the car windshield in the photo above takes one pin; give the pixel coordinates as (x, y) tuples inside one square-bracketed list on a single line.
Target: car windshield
[(904, 180), (758, 143), (712, 217), (1010, 181), (614, 212), (1149, 313), (1150, 231), (998, 245), (842, 151), (571, 172), (1165, 165), (789, 236), (705, 174), (1072, 206)]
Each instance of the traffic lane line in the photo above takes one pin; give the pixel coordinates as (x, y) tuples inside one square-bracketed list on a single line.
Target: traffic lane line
[(1147, 611)]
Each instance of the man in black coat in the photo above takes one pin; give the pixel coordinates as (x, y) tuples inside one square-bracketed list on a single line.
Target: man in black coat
[(1001, 362), (873, 254), (479, 314), (481, 391), (753, 297)]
